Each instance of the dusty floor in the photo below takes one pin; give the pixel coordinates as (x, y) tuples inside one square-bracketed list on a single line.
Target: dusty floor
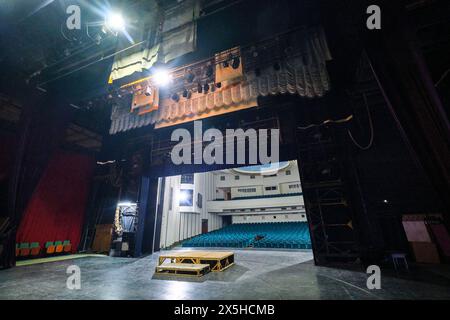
[(257, 274)]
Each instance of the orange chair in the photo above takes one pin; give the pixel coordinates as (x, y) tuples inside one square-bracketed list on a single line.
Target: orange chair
[(24, 249), (67, 246), (58, 247), (49, 247), (35, 248)]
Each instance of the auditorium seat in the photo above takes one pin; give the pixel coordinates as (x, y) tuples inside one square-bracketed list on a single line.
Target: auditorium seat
[(67, 246), (24, 249), (35, 249), (49, 247), (59, 247), (286, 235)]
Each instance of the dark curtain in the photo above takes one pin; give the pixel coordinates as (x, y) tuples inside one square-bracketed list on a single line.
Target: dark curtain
[(56, 209)]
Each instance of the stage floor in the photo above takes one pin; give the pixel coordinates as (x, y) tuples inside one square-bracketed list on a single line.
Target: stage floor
[(257, 274)]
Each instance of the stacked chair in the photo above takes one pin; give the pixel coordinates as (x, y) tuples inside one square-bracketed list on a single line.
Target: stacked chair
[(57, 247), (286, 235), (33, 249), (26, 249)]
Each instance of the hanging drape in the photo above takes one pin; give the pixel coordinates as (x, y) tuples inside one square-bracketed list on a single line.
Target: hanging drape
[(304, 74), (170, 33), (44, 119), (56, 209)]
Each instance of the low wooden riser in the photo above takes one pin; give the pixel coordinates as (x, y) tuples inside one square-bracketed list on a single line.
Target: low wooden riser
[(183, 269), (218, 261), (179, 274)]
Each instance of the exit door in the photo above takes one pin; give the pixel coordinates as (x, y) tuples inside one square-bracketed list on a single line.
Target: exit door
[(204, 225)]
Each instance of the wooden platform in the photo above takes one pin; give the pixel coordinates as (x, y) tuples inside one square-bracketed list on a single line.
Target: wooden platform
[(217, 260), (185, 269)]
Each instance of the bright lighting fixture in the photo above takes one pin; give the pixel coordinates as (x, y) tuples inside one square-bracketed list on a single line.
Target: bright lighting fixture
[(126, 204), (183, 196), (115, 21), (161, 77)]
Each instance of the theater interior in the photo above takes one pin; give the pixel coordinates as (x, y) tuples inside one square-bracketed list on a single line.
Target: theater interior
[(224, 149)]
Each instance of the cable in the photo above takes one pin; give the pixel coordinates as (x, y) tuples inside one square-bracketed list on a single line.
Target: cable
[(350, 117), (444, 75), (371, 128)]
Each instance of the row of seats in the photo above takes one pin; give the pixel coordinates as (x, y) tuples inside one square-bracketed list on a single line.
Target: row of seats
[(286, 235), (34, 249)]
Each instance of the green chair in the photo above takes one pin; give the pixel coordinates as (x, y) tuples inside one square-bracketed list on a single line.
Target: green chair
[(67, 246), (24, 249), (49, 247), (58, 247), (35, 248)]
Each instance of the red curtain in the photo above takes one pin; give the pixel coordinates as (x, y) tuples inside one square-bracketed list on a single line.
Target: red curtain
[(57, 207)]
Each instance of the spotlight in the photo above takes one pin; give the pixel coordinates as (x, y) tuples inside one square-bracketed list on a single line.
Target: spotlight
[(148, 91), (175, 97), (162, 77), (218, 85), (199, 88), (225, 64), (206, 88), (190, 77), (183, 196), (236, 62), (126, 204), (185, 93), (115, 22)]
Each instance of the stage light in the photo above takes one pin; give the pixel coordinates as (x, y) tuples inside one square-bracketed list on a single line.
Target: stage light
[(115, 22), (225, 64), (161, 77), (175, 97), (187, 94), (218, 85), (148, 91), (126, 204), (183, 196), (206, 88), (199, 88), (236, 63), (190, 77)]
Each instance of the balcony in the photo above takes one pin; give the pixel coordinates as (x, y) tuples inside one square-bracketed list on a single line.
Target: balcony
[(262, 202)]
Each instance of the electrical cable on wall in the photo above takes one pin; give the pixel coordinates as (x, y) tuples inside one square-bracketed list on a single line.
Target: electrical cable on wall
[(350, 117), (371, 129)]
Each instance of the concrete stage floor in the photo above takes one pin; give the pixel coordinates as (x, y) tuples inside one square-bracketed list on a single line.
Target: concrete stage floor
[(257, 275)]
